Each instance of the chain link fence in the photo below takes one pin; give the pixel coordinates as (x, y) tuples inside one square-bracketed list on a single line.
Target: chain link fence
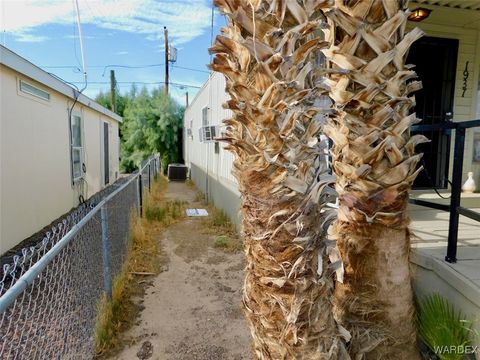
[(49, 294)]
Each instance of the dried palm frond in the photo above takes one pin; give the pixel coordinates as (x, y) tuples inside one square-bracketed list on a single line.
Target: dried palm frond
[(375, 165), (268, 53)]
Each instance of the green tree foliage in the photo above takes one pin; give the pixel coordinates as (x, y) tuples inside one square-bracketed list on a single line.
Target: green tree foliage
[(104, 99), (151, 124)]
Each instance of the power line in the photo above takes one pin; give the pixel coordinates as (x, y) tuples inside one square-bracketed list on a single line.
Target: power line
[(186, 68), (137, 82), (129, 67), (105, 67)]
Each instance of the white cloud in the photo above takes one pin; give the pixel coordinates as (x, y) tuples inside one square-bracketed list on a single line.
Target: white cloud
[(122, 53), (76, 36), (26, 37), (185, 19)]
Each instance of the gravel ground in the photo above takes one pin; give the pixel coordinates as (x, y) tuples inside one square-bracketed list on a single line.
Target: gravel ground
[(192, 310)]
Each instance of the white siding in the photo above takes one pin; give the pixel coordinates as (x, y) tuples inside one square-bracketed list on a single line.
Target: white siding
[(203, 155)]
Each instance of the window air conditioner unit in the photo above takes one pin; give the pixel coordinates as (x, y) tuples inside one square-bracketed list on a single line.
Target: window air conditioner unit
[(209, 133)]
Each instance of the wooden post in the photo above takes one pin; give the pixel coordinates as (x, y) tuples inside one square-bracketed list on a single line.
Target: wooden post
[(113, 95), (165, 31)]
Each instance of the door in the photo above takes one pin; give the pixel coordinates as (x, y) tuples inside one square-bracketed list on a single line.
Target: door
[(436, 63), (106, 154)]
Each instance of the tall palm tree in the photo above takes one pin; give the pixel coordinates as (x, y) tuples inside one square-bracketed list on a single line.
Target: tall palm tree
[(375, 164), (268, 54)]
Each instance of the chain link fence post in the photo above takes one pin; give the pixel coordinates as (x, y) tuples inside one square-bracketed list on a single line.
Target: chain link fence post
[(107, 274), (140, 195), (149, 178)]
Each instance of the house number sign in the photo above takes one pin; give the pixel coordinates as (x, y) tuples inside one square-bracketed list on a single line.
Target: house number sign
[(465, 78)]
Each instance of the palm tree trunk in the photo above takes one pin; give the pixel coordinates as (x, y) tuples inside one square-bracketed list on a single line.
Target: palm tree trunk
[(268, 54), (375, 165)]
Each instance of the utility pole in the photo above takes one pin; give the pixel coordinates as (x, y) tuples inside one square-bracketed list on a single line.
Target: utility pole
[(165, 31), (186, 98), (113, 86)]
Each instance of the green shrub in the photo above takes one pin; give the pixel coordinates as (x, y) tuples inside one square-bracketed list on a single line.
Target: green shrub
[(222, 242), (443, 329)]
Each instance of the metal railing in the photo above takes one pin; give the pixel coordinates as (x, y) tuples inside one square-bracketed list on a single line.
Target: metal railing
[(49, 294), (454, 207)]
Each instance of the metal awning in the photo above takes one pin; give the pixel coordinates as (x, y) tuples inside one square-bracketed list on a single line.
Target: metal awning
[(457, 4)]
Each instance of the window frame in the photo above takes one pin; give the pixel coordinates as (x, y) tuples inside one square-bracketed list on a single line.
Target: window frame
[(205, 114), (75, 148), (21, 88)]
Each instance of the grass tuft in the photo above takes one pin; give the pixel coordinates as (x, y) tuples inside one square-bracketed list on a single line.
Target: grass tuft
[(221, 241), (227, 243), (155, 214), (166, 213), (221, 219), (218, 224), (199, 197), (441, 328)]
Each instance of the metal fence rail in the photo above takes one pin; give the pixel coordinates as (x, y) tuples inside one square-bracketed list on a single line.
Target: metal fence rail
[(49, 295), (454, 207)]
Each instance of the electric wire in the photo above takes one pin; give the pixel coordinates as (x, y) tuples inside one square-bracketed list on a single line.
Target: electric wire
[(180, 85), (429, 178), (105, 67)]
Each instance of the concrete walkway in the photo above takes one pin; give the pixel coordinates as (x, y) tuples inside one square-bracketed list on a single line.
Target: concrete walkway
[(192, 310), (431, 230), (459, 282)]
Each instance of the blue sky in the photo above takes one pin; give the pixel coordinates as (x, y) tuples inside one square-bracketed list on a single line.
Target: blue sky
[(118, 32)]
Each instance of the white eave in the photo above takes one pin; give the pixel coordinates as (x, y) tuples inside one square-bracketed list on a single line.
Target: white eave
[(456, 4), (25, 67)]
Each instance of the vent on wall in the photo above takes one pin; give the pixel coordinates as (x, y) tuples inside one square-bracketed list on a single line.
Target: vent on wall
[(30, 89)]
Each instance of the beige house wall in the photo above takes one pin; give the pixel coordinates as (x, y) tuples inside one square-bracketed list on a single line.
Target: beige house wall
[(35, 165), (463, 25)]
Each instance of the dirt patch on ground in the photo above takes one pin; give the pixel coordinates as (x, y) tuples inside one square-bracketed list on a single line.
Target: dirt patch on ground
[(192, 310)]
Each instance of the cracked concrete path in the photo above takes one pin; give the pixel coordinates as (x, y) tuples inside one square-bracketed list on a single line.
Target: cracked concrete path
[(192, 310)]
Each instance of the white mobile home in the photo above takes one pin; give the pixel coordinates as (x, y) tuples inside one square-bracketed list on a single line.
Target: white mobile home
[(210, 164), (49, 160)]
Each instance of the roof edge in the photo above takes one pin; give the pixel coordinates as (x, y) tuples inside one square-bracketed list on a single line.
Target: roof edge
[(21, 65)]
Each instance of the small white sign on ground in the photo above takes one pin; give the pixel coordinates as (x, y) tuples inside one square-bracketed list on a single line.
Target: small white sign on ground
[(197, 212)]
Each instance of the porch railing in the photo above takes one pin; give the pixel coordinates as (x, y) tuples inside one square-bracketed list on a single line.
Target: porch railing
[(454, 207)]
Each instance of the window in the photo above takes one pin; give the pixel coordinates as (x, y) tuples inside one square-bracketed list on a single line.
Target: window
[(33, 90), (190, 130), (77, 147), (205, 116)]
